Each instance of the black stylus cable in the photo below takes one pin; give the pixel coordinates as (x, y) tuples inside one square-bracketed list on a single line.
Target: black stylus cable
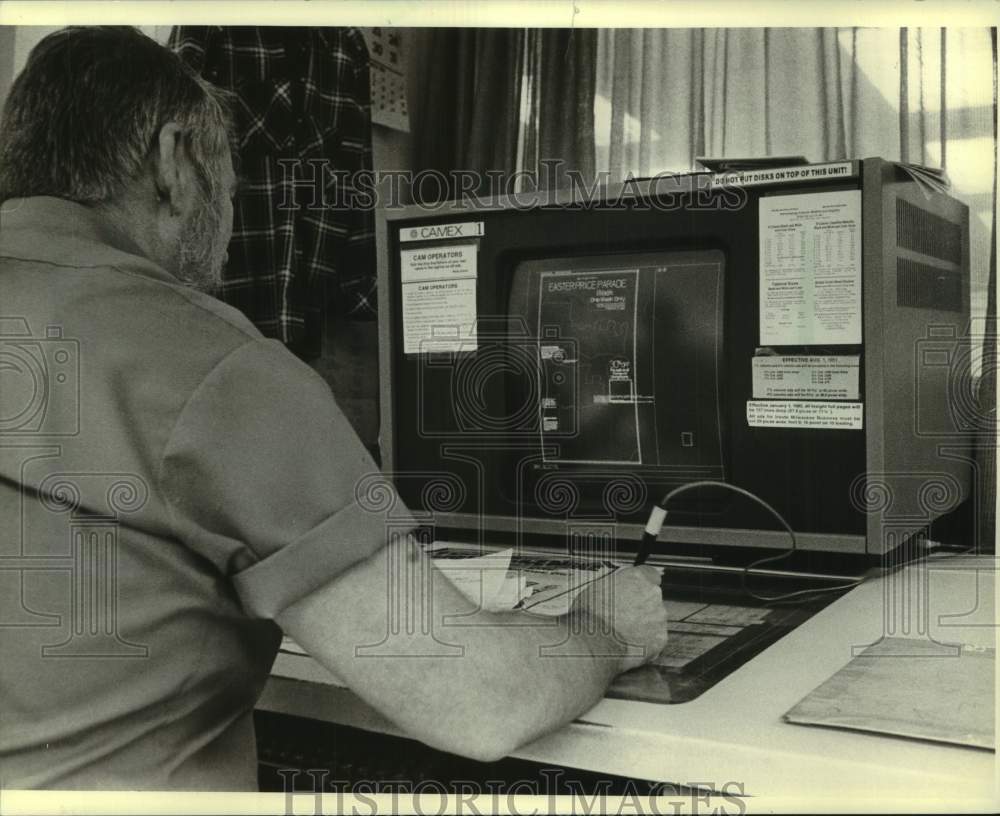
[(659, 514)]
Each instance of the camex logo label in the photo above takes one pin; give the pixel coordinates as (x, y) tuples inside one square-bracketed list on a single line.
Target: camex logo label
[(437, 232)]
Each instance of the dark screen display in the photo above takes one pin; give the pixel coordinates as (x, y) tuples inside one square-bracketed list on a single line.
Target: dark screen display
[(628, 353)]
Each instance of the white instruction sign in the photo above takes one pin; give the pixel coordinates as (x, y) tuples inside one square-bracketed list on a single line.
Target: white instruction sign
[(437, 262), (810, 269), (439, 298), (439, 316), (795, 414), (783, 175), (807, 377)]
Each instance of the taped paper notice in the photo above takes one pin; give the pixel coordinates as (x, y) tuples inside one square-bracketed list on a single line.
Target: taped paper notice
[(439, 316), (809, 377), (790, 414), (439, 298), (444, 261), (782, 175), (810, 269)]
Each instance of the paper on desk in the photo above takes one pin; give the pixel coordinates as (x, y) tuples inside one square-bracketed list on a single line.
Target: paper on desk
[(486, 580), (551, 591), (915, 688), (289, 645)]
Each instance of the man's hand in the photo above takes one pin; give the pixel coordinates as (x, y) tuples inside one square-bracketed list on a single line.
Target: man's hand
[(629, 601)]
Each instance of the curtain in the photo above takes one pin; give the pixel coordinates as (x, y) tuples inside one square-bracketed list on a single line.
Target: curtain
[(558, 113), (926, 96), (469, 100), (498, 103), (666, 97)]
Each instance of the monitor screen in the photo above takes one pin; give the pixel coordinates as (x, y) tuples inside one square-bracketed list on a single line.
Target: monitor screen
[(628, 359)]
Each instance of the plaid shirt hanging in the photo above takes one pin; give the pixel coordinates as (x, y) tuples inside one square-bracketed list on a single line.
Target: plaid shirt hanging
[(302, 113)]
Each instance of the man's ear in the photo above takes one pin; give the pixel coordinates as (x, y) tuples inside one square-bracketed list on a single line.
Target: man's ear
[(171, 167)]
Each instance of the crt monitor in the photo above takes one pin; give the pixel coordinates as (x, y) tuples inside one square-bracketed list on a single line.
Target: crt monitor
[(557, 361)]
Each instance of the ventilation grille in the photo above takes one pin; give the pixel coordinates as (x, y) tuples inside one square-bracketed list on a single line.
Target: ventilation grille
[(926, 233), (927, 287)]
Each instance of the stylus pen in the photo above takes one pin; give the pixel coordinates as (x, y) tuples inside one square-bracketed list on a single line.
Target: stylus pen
[(659, 513), (649, 536)]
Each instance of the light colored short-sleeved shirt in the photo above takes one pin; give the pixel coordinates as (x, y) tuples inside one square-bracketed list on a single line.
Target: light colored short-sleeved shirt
[(169, 481)]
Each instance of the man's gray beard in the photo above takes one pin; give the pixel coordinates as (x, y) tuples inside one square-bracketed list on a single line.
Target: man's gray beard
[(199, 264)]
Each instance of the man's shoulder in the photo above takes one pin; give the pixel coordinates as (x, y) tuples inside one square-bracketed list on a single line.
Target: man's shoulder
[(125, 285), (128, 315), (184, 326), (187, 329), (124, 315), (87, 262), (192, 305)]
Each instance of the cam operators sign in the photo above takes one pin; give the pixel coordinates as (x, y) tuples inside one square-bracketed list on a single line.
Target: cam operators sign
[(439, 298)]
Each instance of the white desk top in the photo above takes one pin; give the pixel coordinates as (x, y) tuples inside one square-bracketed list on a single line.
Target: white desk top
[(734, 734)]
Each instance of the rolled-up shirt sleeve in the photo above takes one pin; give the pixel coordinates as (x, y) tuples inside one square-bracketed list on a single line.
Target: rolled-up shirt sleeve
[(267, 479)]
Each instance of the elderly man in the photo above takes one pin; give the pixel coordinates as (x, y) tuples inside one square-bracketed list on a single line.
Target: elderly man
[(189, 484)]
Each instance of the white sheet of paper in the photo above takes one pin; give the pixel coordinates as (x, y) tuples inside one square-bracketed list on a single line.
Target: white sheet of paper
[(782, 175), (438, 291), (440, 262), (807, 377), (289, 645), (439, 316), (551, 592), (805, 414), (486, 580), (810, 269)]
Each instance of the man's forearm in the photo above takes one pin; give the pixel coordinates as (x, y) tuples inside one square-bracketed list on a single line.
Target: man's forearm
[(519, 676), (454, 676), (565, 666)]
